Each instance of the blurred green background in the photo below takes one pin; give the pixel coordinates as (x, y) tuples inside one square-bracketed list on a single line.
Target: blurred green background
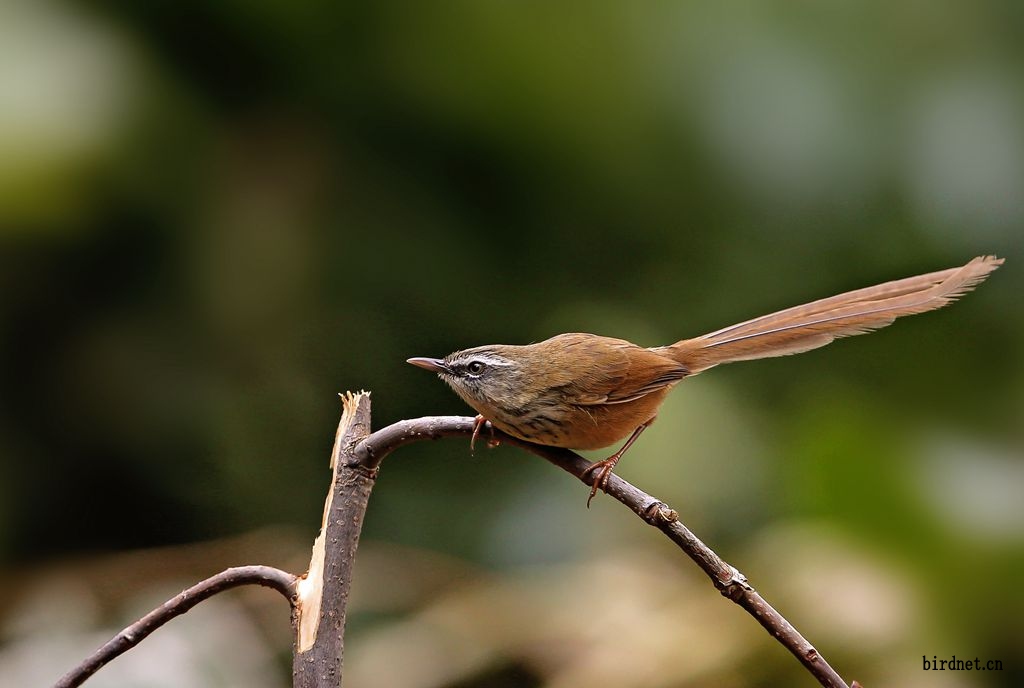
[(216, 216)]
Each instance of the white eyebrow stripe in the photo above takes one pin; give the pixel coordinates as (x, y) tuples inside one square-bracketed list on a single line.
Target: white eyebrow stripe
[(489, 359)]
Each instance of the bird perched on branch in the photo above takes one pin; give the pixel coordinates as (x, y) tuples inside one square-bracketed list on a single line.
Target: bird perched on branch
[(585, 391)]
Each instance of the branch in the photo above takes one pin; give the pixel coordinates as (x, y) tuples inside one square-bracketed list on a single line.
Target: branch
[(323, 591), (131, 636), (729, 581), (319, 598)]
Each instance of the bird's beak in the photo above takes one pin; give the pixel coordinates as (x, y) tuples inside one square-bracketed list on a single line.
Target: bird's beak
[(433, 364)]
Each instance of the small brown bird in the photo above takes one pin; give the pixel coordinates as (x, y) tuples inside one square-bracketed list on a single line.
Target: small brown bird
[(584, 391)]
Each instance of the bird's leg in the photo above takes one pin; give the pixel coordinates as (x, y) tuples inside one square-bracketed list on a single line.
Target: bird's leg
[(603, 469)]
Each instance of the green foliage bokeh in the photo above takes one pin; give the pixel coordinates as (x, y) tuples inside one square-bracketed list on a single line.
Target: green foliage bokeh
[(214, 218)]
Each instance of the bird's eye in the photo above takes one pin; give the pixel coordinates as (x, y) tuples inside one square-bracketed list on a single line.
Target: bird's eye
[(475, 367)]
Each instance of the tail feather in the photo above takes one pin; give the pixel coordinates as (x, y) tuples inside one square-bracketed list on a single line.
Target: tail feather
[(815, 324)]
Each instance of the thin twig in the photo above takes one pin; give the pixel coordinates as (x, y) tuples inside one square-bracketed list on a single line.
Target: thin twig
[(131, 636), (727, 579)]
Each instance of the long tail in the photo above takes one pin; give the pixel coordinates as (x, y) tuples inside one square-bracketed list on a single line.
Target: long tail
[(815, 324)]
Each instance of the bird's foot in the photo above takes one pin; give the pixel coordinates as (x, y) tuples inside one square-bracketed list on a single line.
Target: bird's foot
[(601, 470), (478, 423)]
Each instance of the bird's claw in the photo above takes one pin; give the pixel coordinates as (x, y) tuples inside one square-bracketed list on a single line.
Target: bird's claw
[(602, 470), (478, 423)]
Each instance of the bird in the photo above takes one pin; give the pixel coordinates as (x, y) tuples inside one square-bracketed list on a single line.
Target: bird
[(586, 391)]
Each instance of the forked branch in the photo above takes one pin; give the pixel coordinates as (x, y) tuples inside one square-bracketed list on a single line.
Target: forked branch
[(319, 598)]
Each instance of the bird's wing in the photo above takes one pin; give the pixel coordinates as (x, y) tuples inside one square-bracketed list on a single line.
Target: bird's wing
[(604, 370)]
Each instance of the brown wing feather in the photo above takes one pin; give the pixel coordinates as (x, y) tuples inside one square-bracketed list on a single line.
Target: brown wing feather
[(610, 371), (815, 324)]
